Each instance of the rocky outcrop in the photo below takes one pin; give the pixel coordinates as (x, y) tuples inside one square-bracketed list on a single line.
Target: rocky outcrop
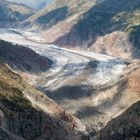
[(116, 44)]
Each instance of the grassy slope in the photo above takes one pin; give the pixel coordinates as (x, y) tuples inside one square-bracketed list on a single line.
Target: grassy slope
[(21, 119)]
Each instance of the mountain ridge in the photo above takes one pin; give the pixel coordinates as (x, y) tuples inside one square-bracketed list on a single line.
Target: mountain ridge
[(85, 23)]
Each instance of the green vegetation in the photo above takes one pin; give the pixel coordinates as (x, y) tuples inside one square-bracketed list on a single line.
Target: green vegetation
[(11, 94), (17, 108), (15, 102)]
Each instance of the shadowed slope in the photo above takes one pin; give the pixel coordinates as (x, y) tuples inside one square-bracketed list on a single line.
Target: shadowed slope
[(23, 59), (102, 19), (124, 127), (58, 12), (51, 18)]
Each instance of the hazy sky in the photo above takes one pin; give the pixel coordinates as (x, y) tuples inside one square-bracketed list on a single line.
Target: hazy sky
[(32, 3)]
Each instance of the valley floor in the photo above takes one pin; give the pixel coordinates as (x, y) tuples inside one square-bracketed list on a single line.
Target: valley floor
[(74, 76)]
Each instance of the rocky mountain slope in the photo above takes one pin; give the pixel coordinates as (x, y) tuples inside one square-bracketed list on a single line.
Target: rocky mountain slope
[(94, 88), (58, 12), (11, 13), (103, 26), (124, 124), (23, 59), (125, 127), (27, 114), (95, 105)]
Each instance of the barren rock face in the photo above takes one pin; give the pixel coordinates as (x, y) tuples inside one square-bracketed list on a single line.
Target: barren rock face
[(116, 44)]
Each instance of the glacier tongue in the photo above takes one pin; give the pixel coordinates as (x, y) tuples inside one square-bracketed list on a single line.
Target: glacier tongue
[(107, 72)]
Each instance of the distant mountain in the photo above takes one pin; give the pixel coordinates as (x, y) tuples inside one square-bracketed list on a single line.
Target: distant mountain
[(11, 13), (108, 26)]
